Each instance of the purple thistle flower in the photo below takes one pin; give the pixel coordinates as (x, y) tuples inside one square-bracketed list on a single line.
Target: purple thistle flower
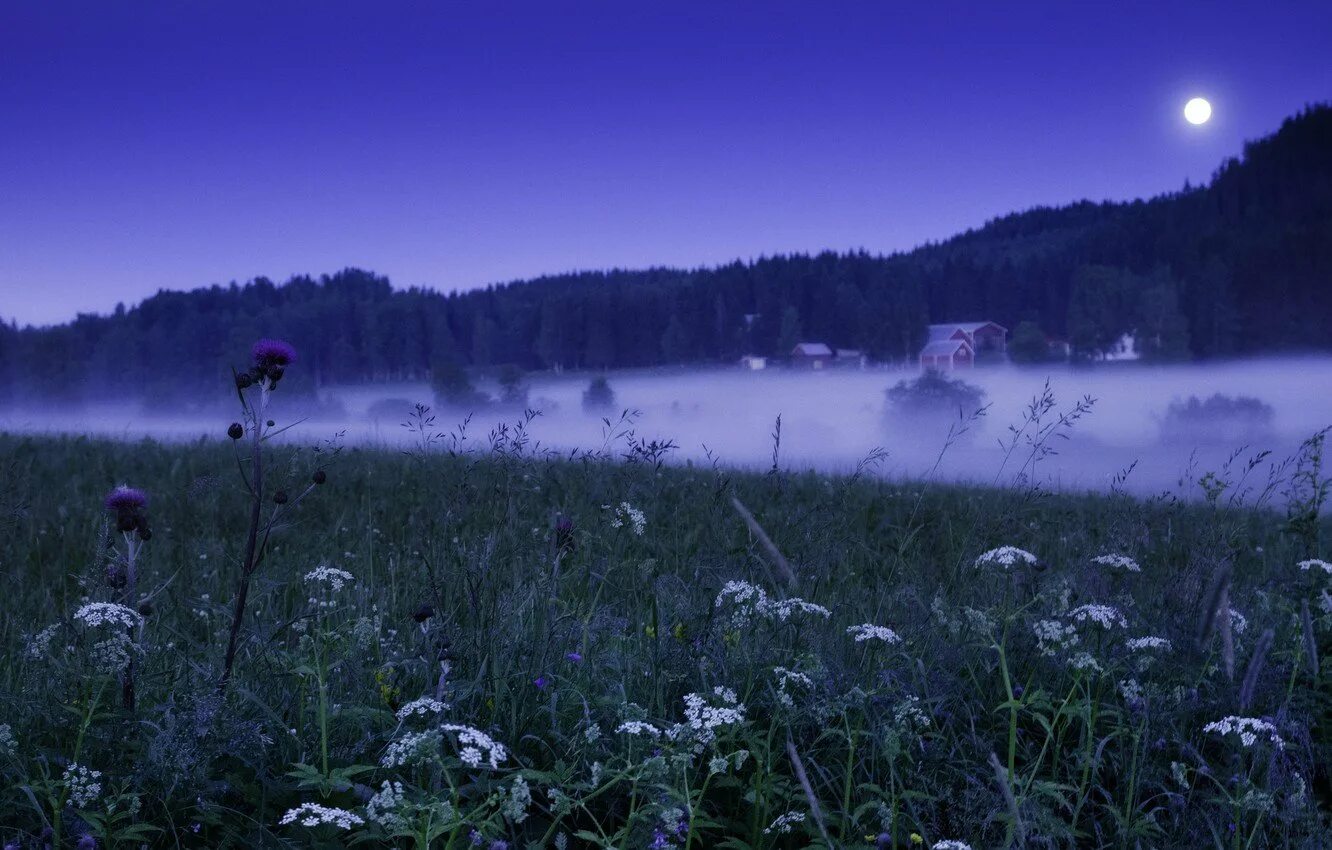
[(126, 500), (273, 352)]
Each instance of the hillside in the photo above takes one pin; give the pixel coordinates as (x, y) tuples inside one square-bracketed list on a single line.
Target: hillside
[(1238, 266)]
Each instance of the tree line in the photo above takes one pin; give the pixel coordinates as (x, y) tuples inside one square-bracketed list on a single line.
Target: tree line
[(1240, 265)]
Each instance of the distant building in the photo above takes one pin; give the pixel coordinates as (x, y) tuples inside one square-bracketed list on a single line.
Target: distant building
[(983, 337), (946, 355), (1124, 348), (1058, 349), (811, 355), (753, 363)]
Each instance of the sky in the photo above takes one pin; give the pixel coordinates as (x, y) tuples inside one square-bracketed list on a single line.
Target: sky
[(152, 145)]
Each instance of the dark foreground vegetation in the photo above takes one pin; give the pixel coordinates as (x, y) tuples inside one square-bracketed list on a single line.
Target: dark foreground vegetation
[(447, 649)]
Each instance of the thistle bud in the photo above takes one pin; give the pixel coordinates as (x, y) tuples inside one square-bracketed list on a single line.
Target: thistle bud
[(319, 476), (270, 423), (243, 380), (235, 432), (116, 577), (280, 497), (423, 612), (145, 533), (145, 608), (275, 373)]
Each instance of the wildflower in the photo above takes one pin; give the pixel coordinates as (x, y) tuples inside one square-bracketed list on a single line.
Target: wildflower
[(1105, 616), (951, 844), (1053, 636), (1238, 622), (627, 513), (84, 786), (382, 807), (7, 743), (128, 505), (909, 714), (541, 682), (1084, 661), (784, 679), (783, 610), (1119, 562), (564, 539), (40, 643), (869, 631), (95, 614), (1005, 556), (1247, 728), (411, 748), (476, 746), (112, 654), (518, 800), (1315, 564), (313, 814), (422, 706), (272, 354), (702, 719), (1130, 690), (638, 727), (333, 577), (784, 823), (1149, 642)]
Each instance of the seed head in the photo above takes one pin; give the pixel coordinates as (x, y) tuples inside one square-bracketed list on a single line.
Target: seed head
[(319, 476), (280, 497), (235, 431), (423, 612)]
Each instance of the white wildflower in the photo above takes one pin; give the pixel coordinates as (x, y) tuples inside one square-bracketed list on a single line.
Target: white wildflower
[(1105, 616), (331, 577), (1238, 622), (40, 643), (84, 786), (1314, 564), (627, 514), (638, 727), (112, 654), (1248, 729), (517, 801), (382, 807), (1150, 642), (1118, 562), (951, 844), (412, 748), (783, 609), (96, 614), (718, 764), (786, 678), (422, 706), (869, 631), (749, 600), (703, 719), (1130, 690), (1005, 556), (909, 714), (313, 814), (8, 745), (784, 823), (1053, 636), (1084, 661), (476, 746)]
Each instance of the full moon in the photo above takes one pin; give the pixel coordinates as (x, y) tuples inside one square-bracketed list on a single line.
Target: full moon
[(1197, 111)]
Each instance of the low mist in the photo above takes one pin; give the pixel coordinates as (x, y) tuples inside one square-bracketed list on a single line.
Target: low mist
[(833, 420)]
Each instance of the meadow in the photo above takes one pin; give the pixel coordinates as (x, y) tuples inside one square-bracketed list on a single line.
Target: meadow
[(256, 644)]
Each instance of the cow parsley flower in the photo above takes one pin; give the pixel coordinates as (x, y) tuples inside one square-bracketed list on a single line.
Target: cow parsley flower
[(331, 577), (638, 728), (111, 654), (626, 514), (1006, 557), (1314, 564), (40, 643), (1238, 622), (783, 609), (1118, 562), (869, 631), (1053, 636), (1084, 661), (1248, 729), (951, 844), (476, 746), (382, 807), (84, 786), (95, 614), (785, 679), (909, 715), (704, 715), (748, 601), (412, 748), (1105, 616), (517, 801), (784, 823), (422, 706), (313, 814), (1149, 643), (7, 743)]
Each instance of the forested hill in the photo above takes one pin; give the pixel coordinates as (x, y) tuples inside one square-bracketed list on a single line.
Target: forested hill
[(1241, 265)]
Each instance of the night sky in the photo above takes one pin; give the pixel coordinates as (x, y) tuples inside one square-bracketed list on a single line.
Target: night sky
[(183, 143)]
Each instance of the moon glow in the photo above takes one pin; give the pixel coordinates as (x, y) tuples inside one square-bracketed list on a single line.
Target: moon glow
[(1197, 111)]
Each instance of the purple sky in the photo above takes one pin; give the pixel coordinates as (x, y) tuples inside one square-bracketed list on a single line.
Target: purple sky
[(151, 145)]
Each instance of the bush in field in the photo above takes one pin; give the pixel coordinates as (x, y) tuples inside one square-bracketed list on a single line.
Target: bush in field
[(934, 395), (1028, 345), (513, 385), (453, 387), (598, 396), (1217, 419)]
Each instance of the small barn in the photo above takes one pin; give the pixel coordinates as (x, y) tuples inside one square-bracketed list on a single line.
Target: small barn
[(850, 358), (753, 362), (811, 355), (983, 337), (946, 355)]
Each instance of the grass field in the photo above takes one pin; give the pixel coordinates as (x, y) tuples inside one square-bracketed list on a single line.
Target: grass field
[(536, 652)]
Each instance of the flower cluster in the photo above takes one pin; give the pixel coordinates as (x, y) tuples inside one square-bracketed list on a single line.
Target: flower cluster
[(1315, 564), (129, 506), (422, 706), (411, 748), (84, 786), (1149, 642), (786, 678), (95, 614), (334, 578), (271, 359), (869, 631), (626, 513), (7, 743), (1053, 636), (638, 727), (1247, 728), (1118, 562), (749, 600), (313, 814), (1006, 557), (702, 719), (951, 844), (783, 609), (1105, 616), (382, 807), (476, 745), (784, 823)]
